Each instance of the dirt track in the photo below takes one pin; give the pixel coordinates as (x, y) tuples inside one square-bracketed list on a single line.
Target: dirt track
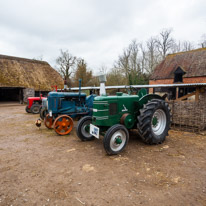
[(38, 167)]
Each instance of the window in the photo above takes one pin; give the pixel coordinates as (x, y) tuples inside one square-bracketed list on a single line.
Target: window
[(178, 74)]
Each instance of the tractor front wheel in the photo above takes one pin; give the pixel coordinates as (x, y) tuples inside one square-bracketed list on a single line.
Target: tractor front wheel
[(48, 121), (27, 109), (154, 121), (63, 125), (43, 113), (83, 127), (115, 139), (35, 108)]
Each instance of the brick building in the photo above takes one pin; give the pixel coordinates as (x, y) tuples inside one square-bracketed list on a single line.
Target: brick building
[(183, 67)]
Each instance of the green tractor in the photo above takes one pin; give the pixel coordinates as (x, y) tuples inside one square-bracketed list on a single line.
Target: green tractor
[(114, 116)]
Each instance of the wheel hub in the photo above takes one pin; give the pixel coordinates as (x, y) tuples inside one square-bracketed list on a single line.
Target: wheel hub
[(118, 140), (87, 128), (155, 121), (158, 122)]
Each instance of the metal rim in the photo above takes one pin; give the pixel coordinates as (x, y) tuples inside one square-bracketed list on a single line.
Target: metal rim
[(84, 130), (118, 135), (63, 125), (158, 122), (35, 109)]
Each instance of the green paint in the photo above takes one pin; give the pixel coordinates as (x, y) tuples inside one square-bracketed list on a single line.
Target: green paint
[(118, 141), (154, 121), (108, 110), (87, 128)]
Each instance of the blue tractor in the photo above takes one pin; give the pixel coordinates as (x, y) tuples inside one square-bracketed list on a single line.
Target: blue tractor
[(63, 107)]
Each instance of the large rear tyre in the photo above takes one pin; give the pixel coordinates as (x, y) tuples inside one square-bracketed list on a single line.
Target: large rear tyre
[(35, 108), (63, 125), (43, 113), (154, 121), (83, 127), (116, 139), (27, 109)]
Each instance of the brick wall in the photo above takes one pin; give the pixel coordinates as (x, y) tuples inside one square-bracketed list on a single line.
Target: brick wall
[(171, 81)]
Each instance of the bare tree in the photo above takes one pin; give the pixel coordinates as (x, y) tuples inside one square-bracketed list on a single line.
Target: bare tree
[(165, 42), (203, 41), (66, 63), (152, 56), (103, 69), (142, 59), (187, 46), (133, 58), (176, 47), (182, 46), (123, 62)]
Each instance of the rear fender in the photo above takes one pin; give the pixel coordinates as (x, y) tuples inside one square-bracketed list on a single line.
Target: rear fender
[(143, 100)]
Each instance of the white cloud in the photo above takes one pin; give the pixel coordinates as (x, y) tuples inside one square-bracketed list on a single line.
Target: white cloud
[(94, 30)]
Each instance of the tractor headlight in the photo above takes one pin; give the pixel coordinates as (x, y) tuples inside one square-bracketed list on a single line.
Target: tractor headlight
[(50, 113)]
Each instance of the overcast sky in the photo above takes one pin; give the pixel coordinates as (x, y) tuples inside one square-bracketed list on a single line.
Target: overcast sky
[(95, 30)]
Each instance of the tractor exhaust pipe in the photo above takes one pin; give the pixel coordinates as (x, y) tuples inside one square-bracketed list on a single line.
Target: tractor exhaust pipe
[(102, 79), (80, 82)]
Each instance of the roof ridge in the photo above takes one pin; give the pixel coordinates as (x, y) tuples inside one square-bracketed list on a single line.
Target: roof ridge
[(193, 50), (22, 59)]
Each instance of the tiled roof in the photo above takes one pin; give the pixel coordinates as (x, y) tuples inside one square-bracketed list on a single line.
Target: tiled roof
[(192, 62)]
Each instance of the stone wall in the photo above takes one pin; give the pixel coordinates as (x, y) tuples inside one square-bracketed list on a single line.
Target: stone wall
[(28, 92)]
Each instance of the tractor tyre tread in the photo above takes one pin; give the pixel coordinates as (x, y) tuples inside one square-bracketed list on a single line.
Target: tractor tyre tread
[(43, 113), (32, 108), (79, 129), (144, 124), (27, 109), (108, 135)]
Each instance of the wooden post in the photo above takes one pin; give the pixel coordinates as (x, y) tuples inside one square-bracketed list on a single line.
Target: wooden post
[(177, 92), (197, 94), (151, 91)]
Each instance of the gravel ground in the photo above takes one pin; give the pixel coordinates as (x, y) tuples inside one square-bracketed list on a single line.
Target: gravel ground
[(39, 167)]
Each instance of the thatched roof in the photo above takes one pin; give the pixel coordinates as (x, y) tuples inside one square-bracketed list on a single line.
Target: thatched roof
[(193, 63), (20, 72)]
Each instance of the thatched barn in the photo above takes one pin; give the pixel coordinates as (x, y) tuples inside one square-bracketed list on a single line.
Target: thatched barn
[(21, 78)]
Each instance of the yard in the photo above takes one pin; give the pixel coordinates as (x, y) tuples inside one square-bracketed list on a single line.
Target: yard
[(39, 167)]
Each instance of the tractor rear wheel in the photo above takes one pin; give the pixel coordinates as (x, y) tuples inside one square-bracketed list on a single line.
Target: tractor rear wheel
[(63, 125), (35, 108), (48, 121), (82, 129), (115, 139), (154, 121), (43, 113), (27, 109)]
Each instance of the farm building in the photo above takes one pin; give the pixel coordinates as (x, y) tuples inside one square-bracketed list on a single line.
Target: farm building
[(188, 69), (184, 67), (21, 78)]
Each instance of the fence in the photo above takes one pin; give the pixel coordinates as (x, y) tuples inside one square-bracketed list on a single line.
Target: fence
[(189, 115)]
